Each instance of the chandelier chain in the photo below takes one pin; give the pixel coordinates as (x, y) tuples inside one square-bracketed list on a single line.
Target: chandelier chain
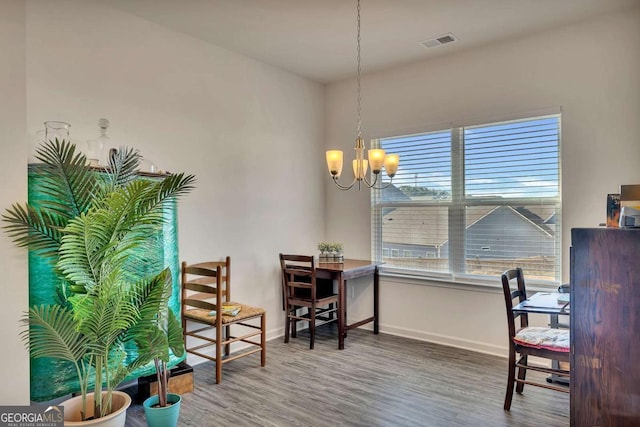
[(358, 75), (377, 158)]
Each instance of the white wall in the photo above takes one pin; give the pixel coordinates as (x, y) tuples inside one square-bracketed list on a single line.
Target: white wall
[(590, 69), (250, 133), (14, 369)]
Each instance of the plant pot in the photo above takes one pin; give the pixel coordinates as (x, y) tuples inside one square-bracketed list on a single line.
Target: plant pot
[(120, 402), (162, 417)]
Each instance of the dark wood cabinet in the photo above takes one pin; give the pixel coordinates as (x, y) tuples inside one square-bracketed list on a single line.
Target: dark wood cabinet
[(605, 327)]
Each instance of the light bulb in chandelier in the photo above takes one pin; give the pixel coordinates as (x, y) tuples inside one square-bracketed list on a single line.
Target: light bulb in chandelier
[(334, 162)]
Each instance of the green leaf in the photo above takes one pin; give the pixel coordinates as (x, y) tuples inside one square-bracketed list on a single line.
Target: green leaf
[(175, 334), (40, 231), (66, 179), (53, 333)]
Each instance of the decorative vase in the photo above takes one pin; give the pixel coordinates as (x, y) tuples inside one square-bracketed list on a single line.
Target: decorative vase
[(96, 148), (117, 418), (324, 257), (162, 417), (51, 131), (56, 130)]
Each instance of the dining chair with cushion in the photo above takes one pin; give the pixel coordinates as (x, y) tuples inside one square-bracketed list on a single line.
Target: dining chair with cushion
[(547, 343), (302, 290), (207, 304)]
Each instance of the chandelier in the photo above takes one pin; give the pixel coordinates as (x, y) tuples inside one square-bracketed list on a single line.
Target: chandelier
[(377, 158)]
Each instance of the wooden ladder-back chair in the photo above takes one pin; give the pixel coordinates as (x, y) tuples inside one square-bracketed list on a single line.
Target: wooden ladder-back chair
[(206, 301), (548, 343), (301, 290)]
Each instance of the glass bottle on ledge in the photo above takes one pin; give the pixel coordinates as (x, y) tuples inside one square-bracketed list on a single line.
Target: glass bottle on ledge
[(96, 148)]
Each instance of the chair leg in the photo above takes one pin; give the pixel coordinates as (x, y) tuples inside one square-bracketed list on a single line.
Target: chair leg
[(312, 326), (263, 339), (218, 355), (287, 325), (511, 379), (227, 334), (522, 373), (294, 323)]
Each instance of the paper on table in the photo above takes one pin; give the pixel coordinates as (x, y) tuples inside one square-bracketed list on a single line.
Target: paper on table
[(544, 300)]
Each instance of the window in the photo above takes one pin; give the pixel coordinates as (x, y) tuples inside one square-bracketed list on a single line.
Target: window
[(476, 200)]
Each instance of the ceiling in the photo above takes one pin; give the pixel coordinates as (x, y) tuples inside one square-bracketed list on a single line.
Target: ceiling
[(316, 39)]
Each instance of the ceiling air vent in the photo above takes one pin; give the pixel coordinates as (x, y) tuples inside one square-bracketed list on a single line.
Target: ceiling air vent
[(437, 41)]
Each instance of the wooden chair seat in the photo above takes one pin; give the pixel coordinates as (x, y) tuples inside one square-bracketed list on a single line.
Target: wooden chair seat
[(556, 340), (204, 316)]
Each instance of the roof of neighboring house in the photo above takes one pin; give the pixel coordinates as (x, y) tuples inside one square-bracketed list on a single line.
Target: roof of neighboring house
[(534, 218), (394, 193)]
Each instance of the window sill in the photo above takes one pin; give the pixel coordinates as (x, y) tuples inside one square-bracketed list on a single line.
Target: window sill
[(447, 281)]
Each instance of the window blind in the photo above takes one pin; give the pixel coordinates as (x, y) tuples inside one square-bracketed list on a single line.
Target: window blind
[(473, 201)]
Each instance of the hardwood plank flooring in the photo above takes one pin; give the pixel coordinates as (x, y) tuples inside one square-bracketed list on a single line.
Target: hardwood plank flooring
[(377, 380)]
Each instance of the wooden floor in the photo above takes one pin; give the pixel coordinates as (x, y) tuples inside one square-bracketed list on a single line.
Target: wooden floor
[(377, 380)]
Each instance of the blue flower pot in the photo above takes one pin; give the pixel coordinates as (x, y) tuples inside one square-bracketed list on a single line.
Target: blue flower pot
[(162, 417)]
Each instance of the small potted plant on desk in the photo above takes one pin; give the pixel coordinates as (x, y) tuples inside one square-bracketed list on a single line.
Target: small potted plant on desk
[(330, 252), (325, 252), (92, 230), (336, 250)]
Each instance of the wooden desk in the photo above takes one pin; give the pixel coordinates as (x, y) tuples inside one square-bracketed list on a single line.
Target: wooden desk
[(343, 271)]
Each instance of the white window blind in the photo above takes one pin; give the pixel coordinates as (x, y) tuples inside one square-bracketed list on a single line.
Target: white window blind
[(473, 201)]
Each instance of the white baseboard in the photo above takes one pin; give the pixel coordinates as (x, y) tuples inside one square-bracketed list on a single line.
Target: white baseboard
[(479, 346), (451, 341)]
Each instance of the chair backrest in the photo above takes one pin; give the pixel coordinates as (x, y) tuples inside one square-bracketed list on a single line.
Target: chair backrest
[(206, 285), (520, 293), (298, 271)]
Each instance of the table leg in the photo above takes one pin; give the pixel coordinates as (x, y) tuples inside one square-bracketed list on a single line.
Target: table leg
[(342, 311), (554, 323), (376, 301)]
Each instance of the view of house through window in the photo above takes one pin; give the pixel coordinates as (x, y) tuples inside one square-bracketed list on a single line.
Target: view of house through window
[(473, 201)]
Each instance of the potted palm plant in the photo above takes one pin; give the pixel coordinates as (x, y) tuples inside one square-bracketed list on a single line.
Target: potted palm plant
[(92, 230)]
